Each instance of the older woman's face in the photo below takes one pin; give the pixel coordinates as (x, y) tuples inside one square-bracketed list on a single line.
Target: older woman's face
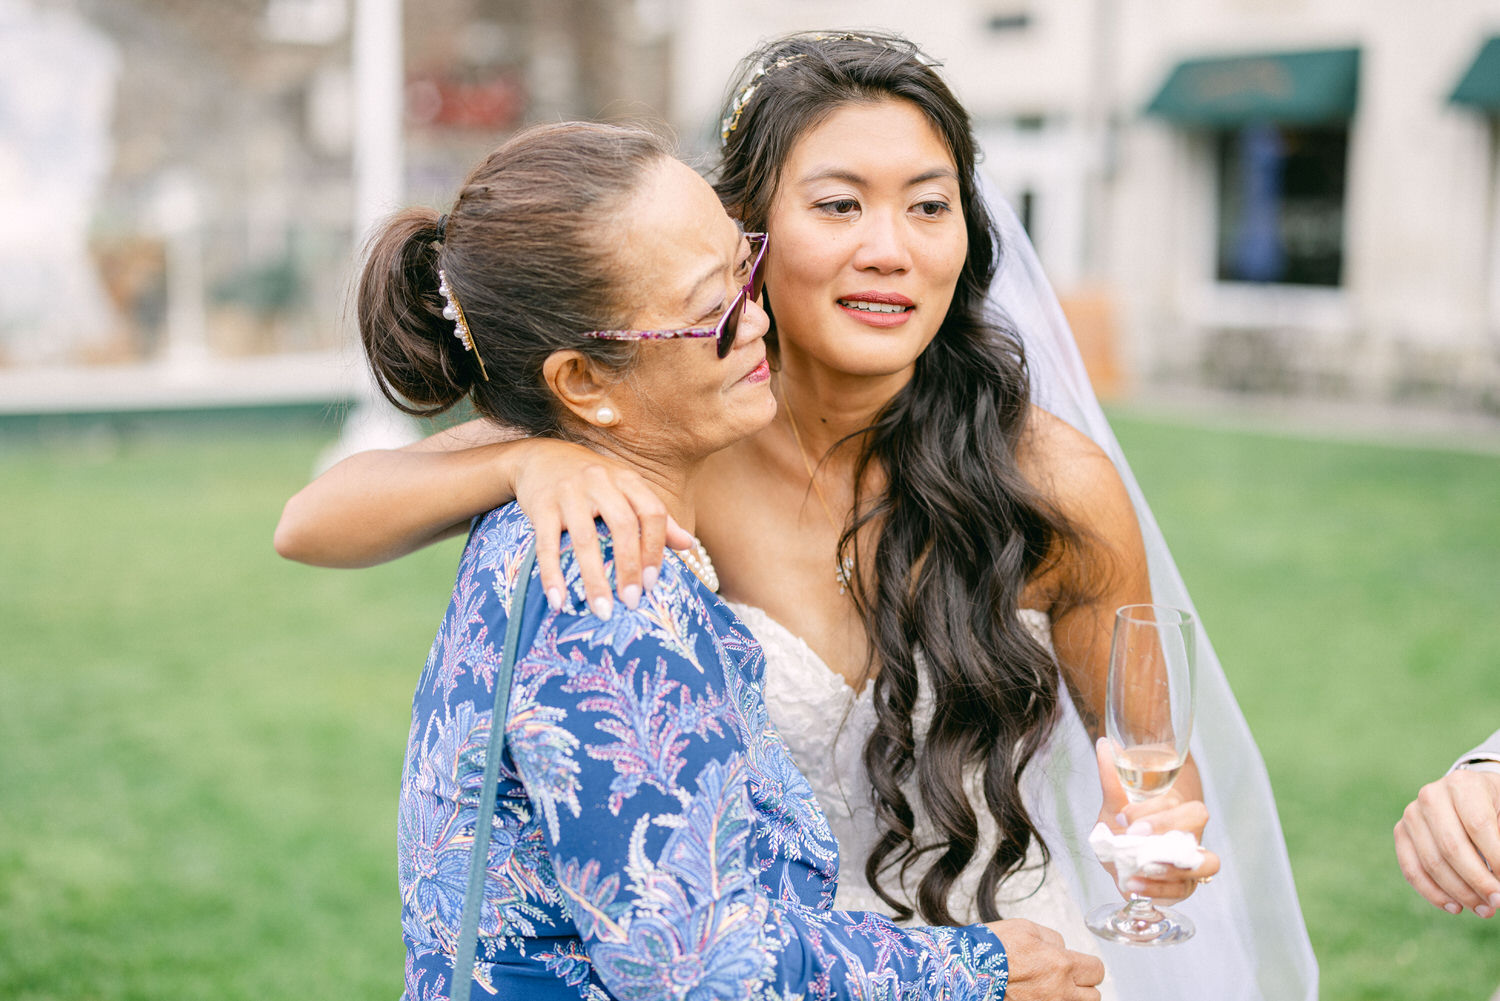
[(867, 240), (686, 260)]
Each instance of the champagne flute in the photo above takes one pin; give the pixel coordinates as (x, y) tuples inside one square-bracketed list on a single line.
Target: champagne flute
[(1148, 719)]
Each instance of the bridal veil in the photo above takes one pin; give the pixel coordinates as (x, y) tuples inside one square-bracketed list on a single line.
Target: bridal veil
[(1251, 943)]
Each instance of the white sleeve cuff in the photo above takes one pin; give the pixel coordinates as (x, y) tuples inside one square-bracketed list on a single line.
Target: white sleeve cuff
[(1479, 763)]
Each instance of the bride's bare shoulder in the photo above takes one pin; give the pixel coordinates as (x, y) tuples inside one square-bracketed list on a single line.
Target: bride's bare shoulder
[(1077, 476), (1053, 451)]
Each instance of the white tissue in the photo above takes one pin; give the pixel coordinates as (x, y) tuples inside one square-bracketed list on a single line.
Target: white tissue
[(1133, 852)]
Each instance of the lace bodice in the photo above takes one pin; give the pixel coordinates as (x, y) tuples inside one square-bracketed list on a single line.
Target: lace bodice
[(825, 723)]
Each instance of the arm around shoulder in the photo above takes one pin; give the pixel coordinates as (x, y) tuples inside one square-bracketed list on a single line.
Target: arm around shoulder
[(381, 504)]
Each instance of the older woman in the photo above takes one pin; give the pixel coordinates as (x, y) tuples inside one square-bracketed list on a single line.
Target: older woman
[(652, 837)]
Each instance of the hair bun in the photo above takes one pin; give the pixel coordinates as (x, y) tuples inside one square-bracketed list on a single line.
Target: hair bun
[(408, 341)]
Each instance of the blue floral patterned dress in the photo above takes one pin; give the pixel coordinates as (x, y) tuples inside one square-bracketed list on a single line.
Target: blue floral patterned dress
[(653, 839)]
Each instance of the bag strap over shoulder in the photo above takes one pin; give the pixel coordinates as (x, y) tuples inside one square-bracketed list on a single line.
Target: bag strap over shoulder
[(468, 935)]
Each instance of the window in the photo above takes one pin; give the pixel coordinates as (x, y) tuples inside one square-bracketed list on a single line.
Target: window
[(1281, 204)]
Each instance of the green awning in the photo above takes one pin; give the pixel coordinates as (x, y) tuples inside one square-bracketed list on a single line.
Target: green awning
[(1480, 86), (1299, 87)]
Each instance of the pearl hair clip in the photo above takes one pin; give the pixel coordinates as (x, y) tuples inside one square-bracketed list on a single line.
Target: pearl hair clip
[(453, 311)]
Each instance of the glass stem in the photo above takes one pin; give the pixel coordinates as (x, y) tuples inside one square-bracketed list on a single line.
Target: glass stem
[(1140, 913)]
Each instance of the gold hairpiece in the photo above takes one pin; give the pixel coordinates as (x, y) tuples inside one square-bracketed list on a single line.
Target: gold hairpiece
[(453, 311), (732, 120), (737, 107)]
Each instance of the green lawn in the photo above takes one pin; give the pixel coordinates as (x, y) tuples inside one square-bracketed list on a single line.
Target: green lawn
[(200, 744), (1353, 593)]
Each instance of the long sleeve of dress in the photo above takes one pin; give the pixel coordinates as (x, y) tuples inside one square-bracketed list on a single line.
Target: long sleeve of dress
[(683, 840)]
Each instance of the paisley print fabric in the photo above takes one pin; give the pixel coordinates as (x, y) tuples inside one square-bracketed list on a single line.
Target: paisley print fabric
[(652, 837)]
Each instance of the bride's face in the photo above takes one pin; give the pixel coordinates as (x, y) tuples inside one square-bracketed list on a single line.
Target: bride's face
[(867, 240)]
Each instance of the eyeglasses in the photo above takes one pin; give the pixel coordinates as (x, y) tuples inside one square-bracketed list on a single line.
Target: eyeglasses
[(729, 323)]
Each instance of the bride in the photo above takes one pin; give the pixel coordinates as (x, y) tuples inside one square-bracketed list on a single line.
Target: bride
[(930, 560)]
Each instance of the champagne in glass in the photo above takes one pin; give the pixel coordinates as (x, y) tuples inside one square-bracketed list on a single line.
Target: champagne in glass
[(1146, 771), (1148, 719)]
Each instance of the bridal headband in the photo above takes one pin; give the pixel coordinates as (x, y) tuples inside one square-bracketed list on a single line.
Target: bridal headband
[(742, 98), (732, 120)]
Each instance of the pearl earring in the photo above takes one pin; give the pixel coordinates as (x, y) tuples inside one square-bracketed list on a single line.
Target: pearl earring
[(605, 416)]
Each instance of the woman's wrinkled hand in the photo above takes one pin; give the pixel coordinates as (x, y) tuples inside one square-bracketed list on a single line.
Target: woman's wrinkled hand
[(1042, 967), (1167, 812), (563, 487)]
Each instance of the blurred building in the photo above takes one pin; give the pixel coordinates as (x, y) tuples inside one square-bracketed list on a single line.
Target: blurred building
[(1303, 198), (1268, 195), (212, 201), (1285, 196)]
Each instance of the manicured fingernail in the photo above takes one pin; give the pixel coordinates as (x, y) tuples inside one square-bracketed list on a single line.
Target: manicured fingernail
[(1452, 908), (1495, 901), (1154, 869), (1121, 820), (648, 578), (631, 595), (1140, 827), (554, 598), (603, 607), (1485, 911), (1135, 885)]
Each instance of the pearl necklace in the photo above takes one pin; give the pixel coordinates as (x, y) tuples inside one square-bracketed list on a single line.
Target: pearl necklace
[(697, 561)]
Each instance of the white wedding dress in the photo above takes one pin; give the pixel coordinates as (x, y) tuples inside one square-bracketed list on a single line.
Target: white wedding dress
[(825, 723)]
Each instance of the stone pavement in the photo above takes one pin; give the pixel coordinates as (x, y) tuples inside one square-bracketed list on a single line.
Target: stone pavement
[(186, 385), (1421, 425)]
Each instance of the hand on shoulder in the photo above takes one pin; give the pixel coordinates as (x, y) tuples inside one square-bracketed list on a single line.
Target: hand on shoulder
[(563, 487)]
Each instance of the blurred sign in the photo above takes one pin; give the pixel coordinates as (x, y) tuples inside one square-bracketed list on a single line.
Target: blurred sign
[(1218, 92), (496, 103)]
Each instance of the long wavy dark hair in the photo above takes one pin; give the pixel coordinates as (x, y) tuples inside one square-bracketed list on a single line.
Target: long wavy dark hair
[(958, 530)]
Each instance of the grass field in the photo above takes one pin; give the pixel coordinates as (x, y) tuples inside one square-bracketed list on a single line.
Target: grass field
[(200, 744)]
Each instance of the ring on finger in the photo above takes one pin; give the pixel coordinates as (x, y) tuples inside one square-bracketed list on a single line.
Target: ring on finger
[(1204, 880)]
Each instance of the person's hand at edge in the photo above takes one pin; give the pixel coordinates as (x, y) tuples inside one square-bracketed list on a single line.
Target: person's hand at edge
[(1444, 837)]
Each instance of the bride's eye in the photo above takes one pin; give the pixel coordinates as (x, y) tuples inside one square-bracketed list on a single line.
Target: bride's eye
[(933, 208), (838, 206)]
